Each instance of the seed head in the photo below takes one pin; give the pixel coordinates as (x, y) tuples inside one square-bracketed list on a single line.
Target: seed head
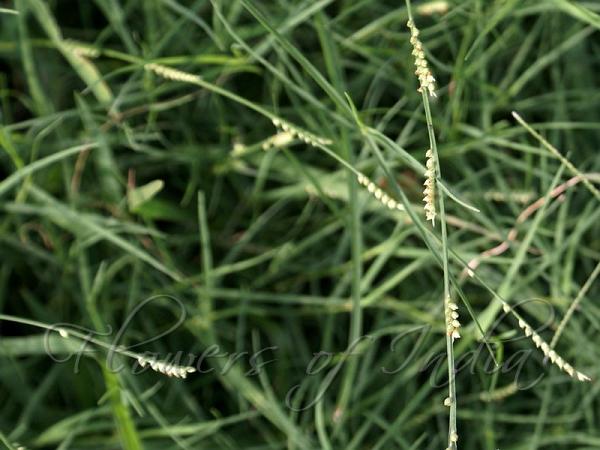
[(429, 191), (548, 352), (499, 394), (171, 370), (426, 79), (172, 74), (81, 50), (451, 314), (379, 195), (279, 140), (296, 132), (433, 7)]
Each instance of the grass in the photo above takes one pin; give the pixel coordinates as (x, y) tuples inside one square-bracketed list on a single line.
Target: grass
[(192, 178)]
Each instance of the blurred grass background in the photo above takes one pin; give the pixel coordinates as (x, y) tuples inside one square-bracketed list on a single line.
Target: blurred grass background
[(119, 186)]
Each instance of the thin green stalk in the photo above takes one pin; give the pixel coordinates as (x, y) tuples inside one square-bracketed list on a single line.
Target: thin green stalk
[(586, 287), (558, 154), (205, 299), (334, 69), (70, 333), (452, 429), (40, 100)]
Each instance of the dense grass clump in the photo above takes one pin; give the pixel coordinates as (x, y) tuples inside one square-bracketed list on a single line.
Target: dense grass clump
[(299, 224)]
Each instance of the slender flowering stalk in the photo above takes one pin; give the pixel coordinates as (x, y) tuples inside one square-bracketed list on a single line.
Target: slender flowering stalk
[(429, 191), (379, 195), (426, 79), (163, 367), (427, 89), (554, 357), (426, 85), (289, 130), (298, 133), (171, 370)]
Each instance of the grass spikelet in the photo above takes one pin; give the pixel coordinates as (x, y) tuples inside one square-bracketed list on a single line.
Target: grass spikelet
[(499, 394), (544, 347), (172, 74), (426, 79), (63, 333), (451, 314), (522, 197), (433, 7), (81, 50), (378, 193), (304, 136), (171, 370), (279, 140), (429, 191)]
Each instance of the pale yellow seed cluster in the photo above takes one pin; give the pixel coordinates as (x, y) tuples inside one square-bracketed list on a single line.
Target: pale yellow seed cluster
[(63, 333), (429, 191), (434, 7), (279, 140), (304, 136), (426, 79), (81, 50), (379, 195), (165, 368), (516, 196), (452, 323), (554, 357), (172, 74), (499, 394), (238, 148), (452, 440)]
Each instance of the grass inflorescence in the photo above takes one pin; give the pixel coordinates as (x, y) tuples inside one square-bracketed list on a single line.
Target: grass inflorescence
[(347, 225)]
